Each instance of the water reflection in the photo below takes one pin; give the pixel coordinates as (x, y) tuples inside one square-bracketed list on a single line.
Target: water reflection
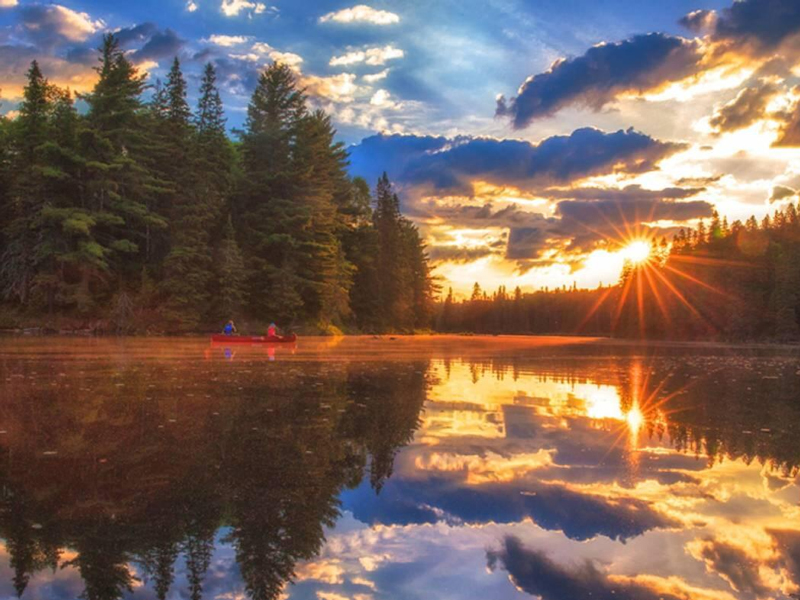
[(114, 467), (570, 473)]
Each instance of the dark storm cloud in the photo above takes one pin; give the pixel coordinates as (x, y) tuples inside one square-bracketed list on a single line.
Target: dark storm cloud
[(551, 506), (789, 135), (457, 254), (632, 211), (527, 243), (781, 192), (588, 222), (641, 63), (162, 44), (630, 192), (82, 55), (788, 543), (392, 153), (137, 34), (699, 21), (758, 25), (734, 565), (537, 574), (450, 166), (486, 216), (749, 106)]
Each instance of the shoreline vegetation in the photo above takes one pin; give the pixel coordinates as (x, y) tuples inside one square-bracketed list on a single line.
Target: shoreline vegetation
[(142, 217)]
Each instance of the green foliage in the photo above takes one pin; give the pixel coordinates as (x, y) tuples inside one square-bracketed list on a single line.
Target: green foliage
[(274, 231)]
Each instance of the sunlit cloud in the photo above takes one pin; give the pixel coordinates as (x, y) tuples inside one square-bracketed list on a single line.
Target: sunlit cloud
[(374, 77), (228, 41), (232, 8), (370, 56), (191, 6), (340, 88), (361, 14), (487, 468), (49, 24)]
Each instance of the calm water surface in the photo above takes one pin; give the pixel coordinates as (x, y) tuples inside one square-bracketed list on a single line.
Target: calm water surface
[(480, 468)]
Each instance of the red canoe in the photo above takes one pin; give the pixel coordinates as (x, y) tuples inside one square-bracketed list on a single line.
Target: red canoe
[(253, 339)]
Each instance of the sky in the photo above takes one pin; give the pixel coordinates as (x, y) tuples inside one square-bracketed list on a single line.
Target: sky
[(531, 141)]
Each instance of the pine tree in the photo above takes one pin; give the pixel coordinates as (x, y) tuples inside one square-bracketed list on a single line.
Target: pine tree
[(213, 163), (231, 276), (321, 164), (187, 266), (119, 186), (394, 273), (27, 194), (273, 220)]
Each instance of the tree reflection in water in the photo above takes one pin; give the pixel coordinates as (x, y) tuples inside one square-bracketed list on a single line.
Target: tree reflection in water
[(118, 469)]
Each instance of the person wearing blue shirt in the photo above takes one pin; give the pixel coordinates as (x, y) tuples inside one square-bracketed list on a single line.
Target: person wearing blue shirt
[(229, 328)]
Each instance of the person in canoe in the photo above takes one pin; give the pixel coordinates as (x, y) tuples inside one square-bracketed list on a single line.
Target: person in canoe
[(272, 330), (230, 328)]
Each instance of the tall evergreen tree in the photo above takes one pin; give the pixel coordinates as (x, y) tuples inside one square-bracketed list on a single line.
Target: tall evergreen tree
[(187, 267), (27, 194), (120, 188)]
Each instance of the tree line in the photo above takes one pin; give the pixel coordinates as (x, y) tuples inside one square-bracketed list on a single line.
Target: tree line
[(719, 281), (141, 214)]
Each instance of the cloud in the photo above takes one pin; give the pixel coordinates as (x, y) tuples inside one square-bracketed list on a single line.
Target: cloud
[(781, 192), (535, 573), (232, 8), (558, 159), (370, 56), (383, 99), (587, 222), (789, 135), (699, 20), (758, 26), (733, 564), (630, 192), (749, 106), (373, 77), (136, 34), (162, 44), (639, 64), (340, 88), (527, 243), (16, 60), (361, 14), (437, 176), (788, 543), (8, 3), (227, 41), (191, 6), (53, 24), (554, 507), (258, 52), (457, 254)]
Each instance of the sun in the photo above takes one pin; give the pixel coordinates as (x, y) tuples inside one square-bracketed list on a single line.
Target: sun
[(637, 252)]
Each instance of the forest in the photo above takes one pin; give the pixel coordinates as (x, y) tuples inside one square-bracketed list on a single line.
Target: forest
[(137, 214), (720, 281)]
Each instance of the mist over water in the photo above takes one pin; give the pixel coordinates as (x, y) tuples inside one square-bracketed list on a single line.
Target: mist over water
[(446, 467)]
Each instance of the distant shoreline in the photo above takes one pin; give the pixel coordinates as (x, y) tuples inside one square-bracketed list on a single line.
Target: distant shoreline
[(516, 339)]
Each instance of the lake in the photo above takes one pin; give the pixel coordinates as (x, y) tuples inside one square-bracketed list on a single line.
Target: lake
[(410, 468)]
